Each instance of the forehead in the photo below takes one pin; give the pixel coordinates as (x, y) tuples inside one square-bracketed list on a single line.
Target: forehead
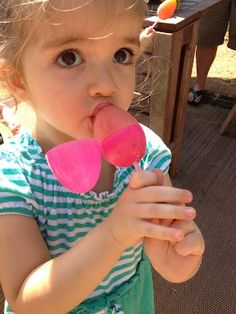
[(95, 7), (91, 18)]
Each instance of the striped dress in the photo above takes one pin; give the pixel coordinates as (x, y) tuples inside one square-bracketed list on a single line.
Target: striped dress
[(28, 187)]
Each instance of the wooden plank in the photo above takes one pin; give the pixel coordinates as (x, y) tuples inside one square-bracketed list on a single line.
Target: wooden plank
[(175, 42), (172, 98), (162, 48), (189, 11), (166, 79), (187, 56), (228, 121)]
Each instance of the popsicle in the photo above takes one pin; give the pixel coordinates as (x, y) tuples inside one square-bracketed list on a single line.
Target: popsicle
[(118, 137), (76, 164), (122, 139), (166, 10)]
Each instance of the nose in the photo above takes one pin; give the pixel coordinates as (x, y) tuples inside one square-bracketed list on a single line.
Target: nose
[(102, 81)]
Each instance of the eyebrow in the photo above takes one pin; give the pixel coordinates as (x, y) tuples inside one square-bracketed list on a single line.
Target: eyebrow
[(64, 41)]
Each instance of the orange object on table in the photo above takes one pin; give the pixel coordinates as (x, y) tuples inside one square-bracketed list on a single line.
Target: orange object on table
[(167, 9)]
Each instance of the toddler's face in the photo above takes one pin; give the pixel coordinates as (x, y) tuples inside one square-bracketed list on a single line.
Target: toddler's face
[(80, 59)]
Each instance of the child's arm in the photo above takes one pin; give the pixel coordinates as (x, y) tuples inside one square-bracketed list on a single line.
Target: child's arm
[(176, 261), (34, 284)]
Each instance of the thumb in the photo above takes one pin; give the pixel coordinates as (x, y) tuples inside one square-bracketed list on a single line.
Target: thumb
[(143, 178)]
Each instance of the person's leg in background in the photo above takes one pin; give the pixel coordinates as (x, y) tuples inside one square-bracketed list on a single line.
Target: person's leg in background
[(204, 59), (231, 117), (232, 26), (213, 27)]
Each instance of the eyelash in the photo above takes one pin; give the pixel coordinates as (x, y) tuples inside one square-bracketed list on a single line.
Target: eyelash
[(74, 51), (131, 52)]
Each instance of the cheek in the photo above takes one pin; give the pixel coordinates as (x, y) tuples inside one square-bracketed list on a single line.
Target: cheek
[(128, 84), (38, 87), (45, 89)]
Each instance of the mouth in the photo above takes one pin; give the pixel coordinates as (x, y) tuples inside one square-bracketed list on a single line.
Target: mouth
[(97, 109)]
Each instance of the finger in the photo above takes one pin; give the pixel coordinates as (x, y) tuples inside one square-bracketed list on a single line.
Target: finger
[(150, 30), (147, 33), (146, 38), (164, 194), (165, 211), (160, 176), (192, 244), (165, 222), (142, 178), (155, 231), (185, 226)]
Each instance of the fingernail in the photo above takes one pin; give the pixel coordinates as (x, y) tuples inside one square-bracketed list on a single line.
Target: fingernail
[(189, 197), (190, 212)]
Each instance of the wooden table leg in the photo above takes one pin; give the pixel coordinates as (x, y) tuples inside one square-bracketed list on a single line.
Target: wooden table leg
[(162, 64), (228, 121), (168, 102)]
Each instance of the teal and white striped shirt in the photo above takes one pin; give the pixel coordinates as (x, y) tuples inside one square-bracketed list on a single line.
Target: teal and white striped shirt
[(28, 187)]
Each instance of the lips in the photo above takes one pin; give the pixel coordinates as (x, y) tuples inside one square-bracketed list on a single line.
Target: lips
[(98, 108)]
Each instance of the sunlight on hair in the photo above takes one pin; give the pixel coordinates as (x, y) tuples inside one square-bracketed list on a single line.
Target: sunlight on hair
[(147, 77), (71, 9), (132, 5), (101, 37)]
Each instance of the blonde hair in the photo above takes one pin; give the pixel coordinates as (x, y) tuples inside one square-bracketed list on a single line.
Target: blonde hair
[(20, 19)]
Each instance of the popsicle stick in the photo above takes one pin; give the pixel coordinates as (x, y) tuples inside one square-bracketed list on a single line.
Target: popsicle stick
[(154, 25), (136, 166)]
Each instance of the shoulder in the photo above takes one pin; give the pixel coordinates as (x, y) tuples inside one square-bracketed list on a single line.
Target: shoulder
[(18, 157), (19, 147), (153, 140), (18, 154), (158, 155)]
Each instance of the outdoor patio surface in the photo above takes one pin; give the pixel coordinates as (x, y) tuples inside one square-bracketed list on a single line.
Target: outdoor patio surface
[(208, 169)]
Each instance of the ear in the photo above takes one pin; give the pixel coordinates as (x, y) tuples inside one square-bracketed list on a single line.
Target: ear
[(13, 82)]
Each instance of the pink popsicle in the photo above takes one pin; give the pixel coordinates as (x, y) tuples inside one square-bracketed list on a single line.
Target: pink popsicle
[(118, 136), (122, 139), (76, 164)]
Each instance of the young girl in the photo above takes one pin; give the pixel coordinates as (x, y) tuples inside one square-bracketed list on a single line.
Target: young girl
[(63, 252)]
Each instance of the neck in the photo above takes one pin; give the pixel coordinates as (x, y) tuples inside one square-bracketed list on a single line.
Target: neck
[(47, 136), (106, 179)]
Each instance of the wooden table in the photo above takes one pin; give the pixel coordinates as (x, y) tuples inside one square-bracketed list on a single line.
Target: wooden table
[(174, 45)]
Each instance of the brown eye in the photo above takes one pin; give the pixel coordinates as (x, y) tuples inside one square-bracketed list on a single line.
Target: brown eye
[(69, 59), (123, 56)]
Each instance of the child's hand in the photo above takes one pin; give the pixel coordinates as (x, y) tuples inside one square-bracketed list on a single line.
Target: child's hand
[(180, 260), (146, 38), (176, 261), (143, 201)]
